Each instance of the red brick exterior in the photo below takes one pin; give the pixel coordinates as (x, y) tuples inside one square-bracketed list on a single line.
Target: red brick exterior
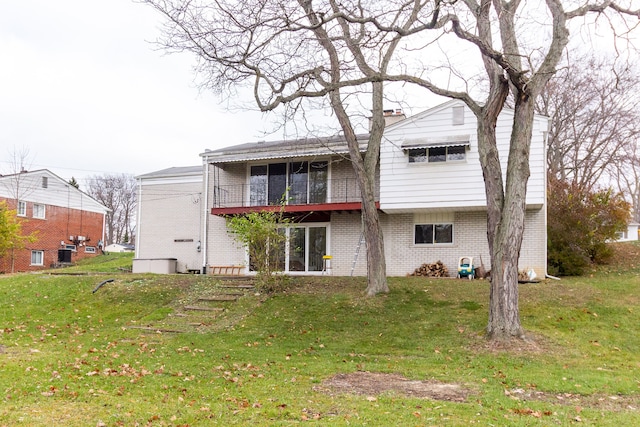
[(58, 226)]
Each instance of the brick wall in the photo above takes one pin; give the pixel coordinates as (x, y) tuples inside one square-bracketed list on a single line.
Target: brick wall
[(57, 226), (403, 256)]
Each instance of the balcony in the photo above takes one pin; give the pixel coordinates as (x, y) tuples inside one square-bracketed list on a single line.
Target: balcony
[(327, 195)]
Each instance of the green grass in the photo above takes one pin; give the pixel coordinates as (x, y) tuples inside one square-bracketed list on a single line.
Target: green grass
[(111, 262), (76, 358)]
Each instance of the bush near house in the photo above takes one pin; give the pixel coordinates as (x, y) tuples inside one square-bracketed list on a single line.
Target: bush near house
[(580, 223)]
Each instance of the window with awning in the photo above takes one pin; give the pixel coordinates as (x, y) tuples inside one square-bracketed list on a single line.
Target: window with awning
[(436, 151)]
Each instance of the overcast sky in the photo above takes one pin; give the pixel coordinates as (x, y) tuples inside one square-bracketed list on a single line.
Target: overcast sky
[(84, 90)]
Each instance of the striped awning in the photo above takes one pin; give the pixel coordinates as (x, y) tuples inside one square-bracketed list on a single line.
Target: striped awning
[(448, 141)]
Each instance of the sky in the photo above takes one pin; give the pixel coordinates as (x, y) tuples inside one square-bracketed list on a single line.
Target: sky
[(86, 92)]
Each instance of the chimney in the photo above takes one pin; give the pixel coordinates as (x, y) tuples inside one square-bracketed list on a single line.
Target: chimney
[(391, 117)]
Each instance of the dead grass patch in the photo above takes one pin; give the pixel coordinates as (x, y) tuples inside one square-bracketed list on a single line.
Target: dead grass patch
[(376, 383)]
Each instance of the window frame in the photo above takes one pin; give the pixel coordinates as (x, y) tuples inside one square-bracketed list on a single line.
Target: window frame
[(430, 155), (315, 173), (307, 256), (36, 253), (44, 211), (23, 211), (434, 233)]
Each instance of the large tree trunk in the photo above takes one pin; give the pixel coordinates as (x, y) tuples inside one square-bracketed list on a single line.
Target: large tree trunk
[(505, 228), (376, 264), (365, 171)]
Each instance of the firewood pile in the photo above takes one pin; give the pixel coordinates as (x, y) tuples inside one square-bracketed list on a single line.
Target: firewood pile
[(436, 269)]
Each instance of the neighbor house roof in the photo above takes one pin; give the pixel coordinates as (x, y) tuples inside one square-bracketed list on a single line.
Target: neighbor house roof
[(173, 171), (304, 147)]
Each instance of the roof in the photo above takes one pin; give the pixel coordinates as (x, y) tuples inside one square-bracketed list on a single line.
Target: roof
[(304, 147), (52, 195), (173, 171)]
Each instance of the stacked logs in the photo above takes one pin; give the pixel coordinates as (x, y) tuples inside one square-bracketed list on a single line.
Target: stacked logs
[(436, 269)]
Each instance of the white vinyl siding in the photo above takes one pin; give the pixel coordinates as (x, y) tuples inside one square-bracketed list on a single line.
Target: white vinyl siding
[(57, 192), (459, 185)]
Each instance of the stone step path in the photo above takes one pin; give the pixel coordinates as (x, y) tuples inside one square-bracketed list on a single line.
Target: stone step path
[(203, 311)]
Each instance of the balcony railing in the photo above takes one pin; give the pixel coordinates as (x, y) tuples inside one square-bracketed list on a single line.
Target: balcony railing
[(332, 191)]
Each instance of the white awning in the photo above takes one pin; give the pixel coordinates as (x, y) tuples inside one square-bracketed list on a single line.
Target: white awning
[(449, 141)]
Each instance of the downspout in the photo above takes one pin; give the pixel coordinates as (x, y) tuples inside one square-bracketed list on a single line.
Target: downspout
[(104, 228), (139, 222), (205, 217)]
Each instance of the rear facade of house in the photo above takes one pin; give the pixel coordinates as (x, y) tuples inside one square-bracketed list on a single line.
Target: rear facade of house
[(429, 189)]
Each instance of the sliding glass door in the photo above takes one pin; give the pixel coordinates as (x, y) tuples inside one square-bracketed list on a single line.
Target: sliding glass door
[(306, 182), (303, 250)]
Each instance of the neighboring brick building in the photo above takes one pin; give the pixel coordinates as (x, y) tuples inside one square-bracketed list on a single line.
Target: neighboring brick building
[(68, 224)]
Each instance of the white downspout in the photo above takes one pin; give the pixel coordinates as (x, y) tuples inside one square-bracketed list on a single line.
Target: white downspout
[(205, 217)]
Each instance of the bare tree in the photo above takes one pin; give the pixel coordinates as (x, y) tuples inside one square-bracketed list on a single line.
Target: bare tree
[(513, 63), (19, 186), (118, 194), (20, 161), (294, 50), (594, 121)]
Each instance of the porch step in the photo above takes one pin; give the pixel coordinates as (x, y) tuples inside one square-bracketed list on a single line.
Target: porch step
[(158, 330), (197, 308), (238, 286), (224, 297)]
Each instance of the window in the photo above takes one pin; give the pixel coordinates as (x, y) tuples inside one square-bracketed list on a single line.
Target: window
[(90, 249), (437, 154), (458, 115), (22, 208), (306, 182), (70, 247), (37, 257), (432, 234), (45, 181), (38, 211)]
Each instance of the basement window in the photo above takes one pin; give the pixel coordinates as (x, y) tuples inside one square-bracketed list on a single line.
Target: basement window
[(37, 257), (433, 234), (90, 249)]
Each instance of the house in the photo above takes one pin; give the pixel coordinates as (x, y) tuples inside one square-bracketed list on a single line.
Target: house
[(119, 247), (630, 234), (67, 223), (169, 225), (429, 189)]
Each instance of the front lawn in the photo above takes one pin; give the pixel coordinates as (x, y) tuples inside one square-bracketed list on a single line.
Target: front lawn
[(182, 350)]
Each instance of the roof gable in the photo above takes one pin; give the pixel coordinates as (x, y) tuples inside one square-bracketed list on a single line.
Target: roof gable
[(43, 186)]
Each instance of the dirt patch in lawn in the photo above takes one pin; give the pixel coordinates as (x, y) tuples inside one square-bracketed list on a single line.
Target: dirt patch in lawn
[(595, 401), (376, 383)]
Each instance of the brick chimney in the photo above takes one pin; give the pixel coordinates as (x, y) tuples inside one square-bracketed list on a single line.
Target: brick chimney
[(391, 117)]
